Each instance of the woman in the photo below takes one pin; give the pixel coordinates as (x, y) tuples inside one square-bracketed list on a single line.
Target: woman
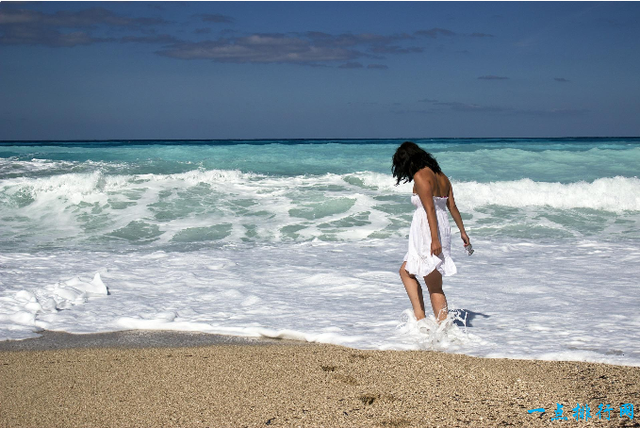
[(429, 254)]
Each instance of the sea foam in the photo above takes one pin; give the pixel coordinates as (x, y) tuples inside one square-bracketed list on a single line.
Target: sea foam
[(511, 299)]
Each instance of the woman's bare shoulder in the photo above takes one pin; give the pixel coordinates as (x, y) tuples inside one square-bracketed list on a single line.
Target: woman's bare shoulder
[(446, 179), (444, 183), (424, 174), (426, 180)]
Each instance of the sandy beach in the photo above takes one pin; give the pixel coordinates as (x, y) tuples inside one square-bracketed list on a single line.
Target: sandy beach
[(283, 383)]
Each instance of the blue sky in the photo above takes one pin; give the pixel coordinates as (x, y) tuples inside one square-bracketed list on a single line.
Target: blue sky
[(173, 70)]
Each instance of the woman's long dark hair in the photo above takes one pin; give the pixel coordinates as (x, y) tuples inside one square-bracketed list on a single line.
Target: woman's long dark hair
[(409, 159)]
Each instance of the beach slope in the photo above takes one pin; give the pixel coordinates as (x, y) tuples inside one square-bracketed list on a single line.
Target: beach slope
[(298, 385)]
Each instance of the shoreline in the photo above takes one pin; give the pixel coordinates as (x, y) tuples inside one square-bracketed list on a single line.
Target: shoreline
[(142, 339), (133, 339), (242, 382)]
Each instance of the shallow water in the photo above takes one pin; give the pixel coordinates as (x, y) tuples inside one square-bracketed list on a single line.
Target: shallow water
[(304, 240)]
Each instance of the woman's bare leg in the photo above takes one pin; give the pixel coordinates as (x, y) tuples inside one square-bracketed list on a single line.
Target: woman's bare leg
[(438, 299), (414, 291)]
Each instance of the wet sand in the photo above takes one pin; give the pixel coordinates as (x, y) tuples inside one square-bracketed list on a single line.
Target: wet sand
[(235, 382)]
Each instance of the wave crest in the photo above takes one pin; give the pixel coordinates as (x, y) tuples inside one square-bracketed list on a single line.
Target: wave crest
[(615, 194)]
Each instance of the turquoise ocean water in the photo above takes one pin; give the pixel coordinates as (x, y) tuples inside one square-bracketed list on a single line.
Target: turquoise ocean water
[(181, 195), (546, 216)]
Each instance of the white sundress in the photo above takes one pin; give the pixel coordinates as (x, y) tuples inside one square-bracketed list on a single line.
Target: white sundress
[(419, 260)]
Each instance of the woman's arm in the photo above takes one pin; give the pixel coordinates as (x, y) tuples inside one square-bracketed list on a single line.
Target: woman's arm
[(453, 209), (424, 180)]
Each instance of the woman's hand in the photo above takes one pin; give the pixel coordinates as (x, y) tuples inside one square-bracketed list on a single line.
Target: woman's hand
[(465, 238), (436, 248)]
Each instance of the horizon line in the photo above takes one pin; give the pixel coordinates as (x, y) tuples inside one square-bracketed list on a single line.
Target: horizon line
[(309, 139)]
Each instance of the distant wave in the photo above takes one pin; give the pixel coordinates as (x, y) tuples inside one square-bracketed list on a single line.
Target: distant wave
[(615, 194)]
